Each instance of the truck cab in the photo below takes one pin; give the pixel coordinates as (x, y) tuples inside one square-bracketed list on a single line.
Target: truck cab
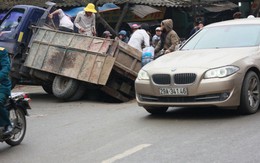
[(15, 31), (15, 34)]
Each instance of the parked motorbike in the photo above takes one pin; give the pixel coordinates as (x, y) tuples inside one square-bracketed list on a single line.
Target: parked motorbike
[(17, 105)]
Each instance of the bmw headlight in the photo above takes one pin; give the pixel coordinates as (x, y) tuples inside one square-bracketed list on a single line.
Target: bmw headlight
[(143, 75), (221, 72)]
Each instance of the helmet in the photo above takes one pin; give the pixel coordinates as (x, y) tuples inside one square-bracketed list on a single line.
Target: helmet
[(158, 29), (122, 32), (135, 26), (106, 33), (90, 8)]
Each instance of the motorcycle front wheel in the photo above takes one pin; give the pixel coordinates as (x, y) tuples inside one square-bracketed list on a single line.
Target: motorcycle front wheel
[(18, 120)]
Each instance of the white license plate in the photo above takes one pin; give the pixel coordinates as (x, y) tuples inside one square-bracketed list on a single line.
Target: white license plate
[(173, 91)]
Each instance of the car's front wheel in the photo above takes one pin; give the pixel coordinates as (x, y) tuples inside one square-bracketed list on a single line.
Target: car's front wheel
[(155, 110), (249, 101)]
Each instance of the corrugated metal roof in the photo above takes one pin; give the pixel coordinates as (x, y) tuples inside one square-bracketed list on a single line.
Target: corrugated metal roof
[(7, 4), (167, 3), (143, 10), (218, 7)]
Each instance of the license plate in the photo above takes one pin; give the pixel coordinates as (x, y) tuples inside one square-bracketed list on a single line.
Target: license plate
[(173, 91)]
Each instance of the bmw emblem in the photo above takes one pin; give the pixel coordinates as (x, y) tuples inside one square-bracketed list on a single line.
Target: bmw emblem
[(173, 69)]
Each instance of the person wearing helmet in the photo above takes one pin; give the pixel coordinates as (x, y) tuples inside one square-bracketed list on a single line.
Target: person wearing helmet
[(157, 36), (140, 37), (122, 35), (86, 20), (107, 34)]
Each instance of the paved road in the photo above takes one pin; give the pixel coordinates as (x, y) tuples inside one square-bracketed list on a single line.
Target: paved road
[(100, 132)]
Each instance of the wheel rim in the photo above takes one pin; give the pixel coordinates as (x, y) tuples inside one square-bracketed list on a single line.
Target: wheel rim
[(19, 125), (64, 82), (253, 92)]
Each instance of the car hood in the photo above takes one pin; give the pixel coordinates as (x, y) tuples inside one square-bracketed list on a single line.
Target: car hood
[(206, 58)]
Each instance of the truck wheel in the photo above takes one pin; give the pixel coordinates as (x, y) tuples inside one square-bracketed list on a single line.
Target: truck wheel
[(47, 87), (64, 88), (79, 93)]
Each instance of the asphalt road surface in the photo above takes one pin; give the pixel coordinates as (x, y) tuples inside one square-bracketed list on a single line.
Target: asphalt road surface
[(90, 131)]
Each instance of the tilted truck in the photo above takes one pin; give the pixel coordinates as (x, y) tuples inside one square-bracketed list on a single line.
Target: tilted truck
[(66, 64)]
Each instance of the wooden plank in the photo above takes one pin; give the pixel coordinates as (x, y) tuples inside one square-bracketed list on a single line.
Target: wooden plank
[(62, 39), (95, 45), (125, 59), (137, 67), (48, 36), (95, 73), (39, 34), (53, 59), (130, 50), (106, 70), (80, 42), (32, 54), (126, 69), (105, 46), (40, 56), (72, 63), (113, 48), (87, 67)]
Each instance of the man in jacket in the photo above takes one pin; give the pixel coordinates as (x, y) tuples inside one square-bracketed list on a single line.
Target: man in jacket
[(5, 90), (169, 39)]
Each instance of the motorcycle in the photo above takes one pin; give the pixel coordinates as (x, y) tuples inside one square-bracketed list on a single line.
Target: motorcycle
[(17, 105)]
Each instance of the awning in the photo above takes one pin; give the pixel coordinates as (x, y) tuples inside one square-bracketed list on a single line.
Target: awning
[(105, 8), (143, 10), (218, 7), (108, 7), (154, 23)]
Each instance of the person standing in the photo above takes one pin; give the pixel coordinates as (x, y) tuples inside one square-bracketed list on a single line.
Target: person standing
[(5, 90), (169, 39), (157, 36), (65, 23), (140, 38), (85, 20)]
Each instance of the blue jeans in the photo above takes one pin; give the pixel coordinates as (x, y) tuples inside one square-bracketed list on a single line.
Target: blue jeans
[(4, 114)]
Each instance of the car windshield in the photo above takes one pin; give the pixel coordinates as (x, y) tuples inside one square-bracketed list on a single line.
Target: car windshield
[(9, 24), (225, 37)]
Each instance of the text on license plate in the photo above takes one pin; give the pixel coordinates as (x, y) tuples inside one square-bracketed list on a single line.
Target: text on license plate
[(173, 91)]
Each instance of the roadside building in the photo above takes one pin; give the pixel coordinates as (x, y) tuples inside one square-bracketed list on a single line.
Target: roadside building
[(182, 12)]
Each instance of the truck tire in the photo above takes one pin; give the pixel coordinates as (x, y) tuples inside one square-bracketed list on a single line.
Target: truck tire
[(47, 87), (79, 93), (64, 88)]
